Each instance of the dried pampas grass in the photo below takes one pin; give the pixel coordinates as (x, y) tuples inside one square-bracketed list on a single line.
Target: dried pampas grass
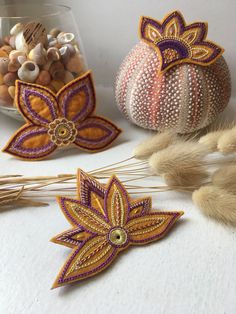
[(211, 139), (225, 177), (227, 142), (188, 180), (181, 157), (154, 144), (216, 203)]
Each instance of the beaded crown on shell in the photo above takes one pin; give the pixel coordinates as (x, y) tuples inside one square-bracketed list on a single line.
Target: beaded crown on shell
[(174, 78)]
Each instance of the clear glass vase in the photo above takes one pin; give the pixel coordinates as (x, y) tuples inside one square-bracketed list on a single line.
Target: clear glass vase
[(39, 43)]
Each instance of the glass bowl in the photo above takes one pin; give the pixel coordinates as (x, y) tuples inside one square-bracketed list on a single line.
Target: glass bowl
[(39, 43)]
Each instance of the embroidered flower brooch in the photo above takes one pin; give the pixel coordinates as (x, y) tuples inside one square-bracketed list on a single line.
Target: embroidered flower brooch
[(177, 42), (56, 120), (105, 221)]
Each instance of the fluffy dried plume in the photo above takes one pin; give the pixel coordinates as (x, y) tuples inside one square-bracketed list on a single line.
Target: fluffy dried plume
[(227, 142), (225, 178), (216, 203), (188, 181), (154, 144), (182, 157), (210, 140)]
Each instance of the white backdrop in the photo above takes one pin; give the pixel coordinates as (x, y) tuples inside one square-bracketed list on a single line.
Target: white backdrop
[(109, 28), (193, 270)]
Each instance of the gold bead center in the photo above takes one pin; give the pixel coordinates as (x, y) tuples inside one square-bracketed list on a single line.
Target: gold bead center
[(118, 236), (63, 131)]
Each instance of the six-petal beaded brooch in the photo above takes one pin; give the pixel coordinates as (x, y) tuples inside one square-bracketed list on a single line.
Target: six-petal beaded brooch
[(55, 120), (105, 221)]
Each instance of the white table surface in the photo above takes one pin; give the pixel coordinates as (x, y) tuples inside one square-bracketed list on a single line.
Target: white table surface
[(190, 271)]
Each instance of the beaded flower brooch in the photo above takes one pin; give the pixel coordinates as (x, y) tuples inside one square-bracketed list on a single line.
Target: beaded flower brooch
[(56, 120), (177, 42), (105, 221)]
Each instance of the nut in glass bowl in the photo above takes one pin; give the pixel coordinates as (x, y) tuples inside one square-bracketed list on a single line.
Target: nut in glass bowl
[(38, 44)]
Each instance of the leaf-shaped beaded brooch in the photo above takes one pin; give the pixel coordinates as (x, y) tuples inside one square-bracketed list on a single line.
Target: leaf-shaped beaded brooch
[(56, 120), (105, 221)]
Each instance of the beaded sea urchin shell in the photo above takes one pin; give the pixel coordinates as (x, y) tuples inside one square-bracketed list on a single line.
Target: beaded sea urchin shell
[(183, 96)]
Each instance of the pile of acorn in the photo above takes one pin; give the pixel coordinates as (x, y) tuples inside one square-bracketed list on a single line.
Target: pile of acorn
[(32, 55)]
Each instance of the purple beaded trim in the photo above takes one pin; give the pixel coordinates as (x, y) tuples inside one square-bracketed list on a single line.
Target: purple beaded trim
[(85, 86), (26, 94), (32, 151), (93, 125), (86, 107)]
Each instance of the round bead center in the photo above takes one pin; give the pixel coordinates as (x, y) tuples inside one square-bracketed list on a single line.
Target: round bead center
[(63, 131), (118, 236)]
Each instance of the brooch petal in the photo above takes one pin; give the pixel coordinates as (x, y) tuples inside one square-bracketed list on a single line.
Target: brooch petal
[(37, 104), (90, 192), (116, 203), (77, 100), (93, 256), (31, 142), (83, 216), (140, 206), (176, 42), (96, 133), (71, 238), (149, 227)]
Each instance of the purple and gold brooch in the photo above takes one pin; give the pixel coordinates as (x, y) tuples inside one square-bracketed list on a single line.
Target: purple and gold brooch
[(177, 42), (56, 120), (105, 221)]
